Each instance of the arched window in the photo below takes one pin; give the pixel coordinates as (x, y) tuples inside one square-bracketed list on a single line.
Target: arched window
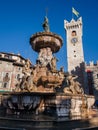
[(73, 33)]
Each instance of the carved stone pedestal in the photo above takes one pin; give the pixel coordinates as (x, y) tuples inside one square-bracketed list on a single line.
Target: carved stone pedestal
[(58, 104), (70, 105)]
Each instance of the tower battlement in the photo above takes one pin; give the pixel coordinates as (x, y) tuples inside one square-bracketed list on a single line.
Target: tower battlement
[(73, 24), (92, 64)]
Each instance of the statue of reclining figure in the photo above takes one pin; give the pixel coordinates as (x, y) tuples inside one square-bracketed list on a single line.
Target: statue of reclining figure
[(74, 86)]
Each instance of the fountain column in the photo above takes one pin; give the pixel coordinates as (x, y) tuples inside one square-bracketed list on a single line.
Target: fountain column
[(46, 43)]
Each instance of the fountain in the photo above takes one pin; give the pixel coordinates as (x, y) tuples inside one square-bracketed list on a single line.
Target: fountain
[(45, 90)]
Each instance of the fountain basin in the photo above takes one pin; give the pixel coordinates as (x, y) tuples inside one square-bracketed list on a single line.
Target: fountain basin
[(58, 104), (44, 40)]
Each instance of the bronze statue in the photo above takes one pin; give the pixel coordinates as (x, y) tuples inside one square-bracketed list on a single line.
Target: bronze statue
[(46, 25)]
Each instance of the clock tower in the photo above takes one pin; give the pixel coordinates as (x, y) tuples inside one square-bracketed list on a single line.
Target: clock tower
[(75, 56)]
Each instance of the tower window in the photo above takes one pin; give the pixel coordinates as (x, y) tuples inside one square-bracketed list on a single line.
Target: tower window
[(73, 33), (74, 55)]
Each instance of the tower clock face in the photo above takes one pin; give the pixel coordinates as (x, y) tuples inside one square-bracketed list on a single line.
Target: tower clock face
[(74, 40)]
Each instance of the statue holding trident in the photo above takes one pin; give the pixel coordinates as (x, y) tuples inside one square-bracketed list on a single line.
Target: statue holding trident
[(46, 24)]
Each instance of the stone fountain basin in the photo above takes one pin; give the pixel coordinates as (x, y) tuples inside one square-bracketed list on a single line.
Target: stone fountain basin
[(46, 39), (57, 103)]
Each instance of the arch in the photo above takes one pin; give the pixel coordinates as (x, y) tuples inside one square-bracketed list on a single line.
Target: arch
[(73, 33)]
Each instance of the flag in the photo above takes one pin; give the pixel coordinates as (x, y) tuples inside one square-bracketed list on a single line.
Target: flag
[(75, 12)]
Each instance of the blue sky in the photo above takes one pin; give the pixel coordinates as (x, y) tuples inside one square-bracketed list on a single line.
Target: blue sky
[(19, 19)]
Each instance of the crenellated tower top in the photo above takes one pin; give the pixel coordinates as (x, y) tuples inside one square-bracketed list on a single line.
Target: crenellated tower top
[(91, 64), (73, 24)]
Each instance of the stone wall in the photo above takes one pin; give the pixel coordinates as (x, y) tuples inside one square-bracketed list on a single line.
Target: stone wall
[(91, 73)]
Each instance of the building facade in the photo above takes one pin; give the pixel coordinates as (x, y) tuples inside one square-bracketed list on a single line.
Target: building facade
[(11, 66), (91, 78)]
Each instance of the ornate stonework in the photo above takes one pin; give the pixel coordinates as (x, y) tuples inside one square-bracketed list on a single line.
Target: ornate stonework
[(42, 88)]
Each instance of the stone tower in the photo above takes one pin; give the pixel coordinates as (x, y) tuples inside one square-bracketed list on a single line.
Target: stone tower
[(75, 56)]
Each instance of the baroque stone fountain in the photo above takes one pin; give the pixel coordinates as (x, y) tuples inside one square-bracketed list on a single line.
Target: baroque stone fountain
[(43, 88)]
